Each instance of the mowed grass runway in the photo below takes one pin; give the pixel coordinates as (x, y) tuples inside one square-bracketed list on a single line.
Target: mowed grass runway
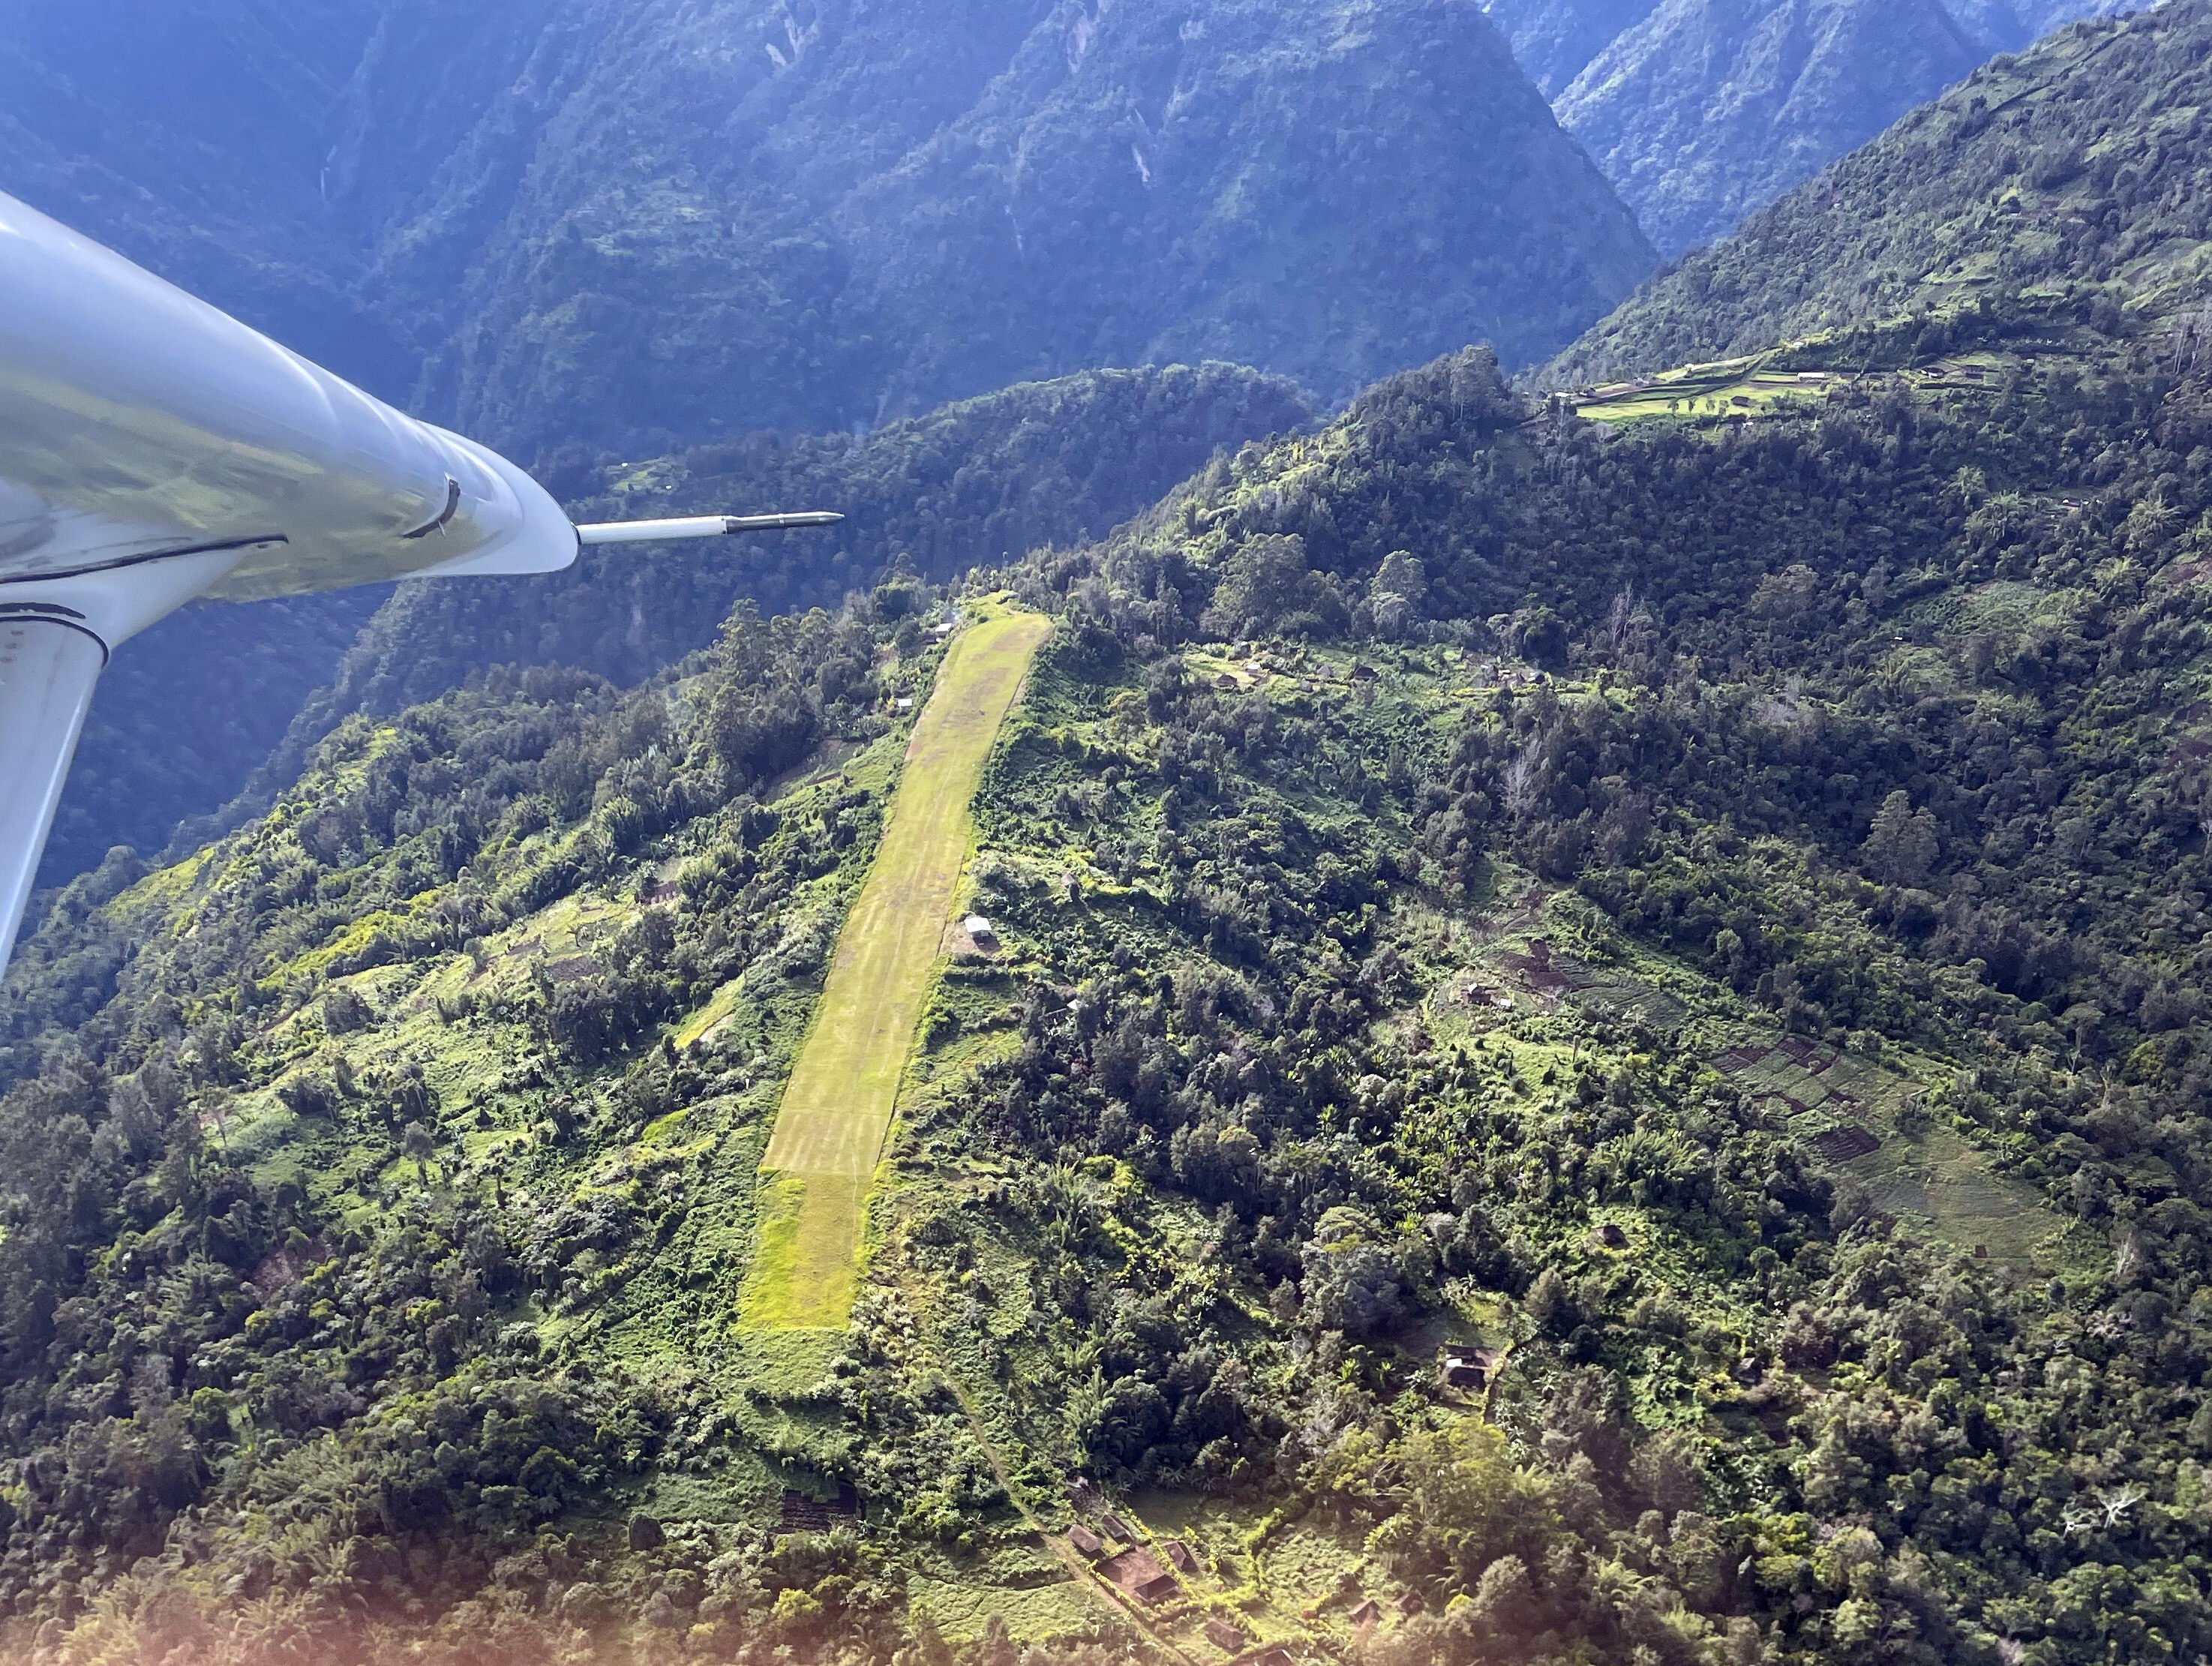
[(838, 1107)]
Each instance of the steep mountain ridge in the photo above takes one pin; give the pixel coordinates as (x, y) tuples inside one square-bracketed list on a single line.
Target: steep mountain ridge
[(1329, 194), (1554, 40), (1709, 109), (1703, 111), (2083, 167), (602, 221)]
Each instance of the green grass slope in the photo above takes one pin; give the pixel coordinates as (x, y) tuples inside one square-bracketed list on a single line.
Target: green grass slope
[(1707, 910), (2079, 166), (844, 1085)]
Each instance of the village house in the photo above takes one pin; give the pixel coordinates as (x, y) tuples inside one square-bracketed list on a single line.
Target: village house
[(1466, 1369), (1142, 1575)]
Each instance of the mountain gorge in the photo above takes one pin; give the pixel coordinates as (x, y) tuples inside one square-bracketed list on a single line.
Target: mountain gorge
[(1704, 112), (973, 485), (1701, 111), (2076, 170)]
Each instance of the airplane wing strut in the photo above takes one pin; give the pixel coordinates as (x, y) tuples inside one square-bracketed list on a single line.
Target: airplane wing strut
[(48, 665)]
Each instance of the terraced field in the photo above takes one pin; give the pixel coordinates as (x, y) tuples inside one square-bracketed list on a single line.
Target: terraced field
[(1703, 391), (837, 1108), (1866, 1120)]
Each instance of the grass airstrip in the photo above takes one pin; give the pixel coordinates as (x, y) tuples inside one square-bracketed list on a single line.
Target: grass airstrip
[(838, 1107)]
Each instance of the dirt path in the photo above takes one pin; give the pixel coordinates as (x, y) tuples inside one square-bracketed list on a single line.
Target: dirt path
[(1079, 1570)]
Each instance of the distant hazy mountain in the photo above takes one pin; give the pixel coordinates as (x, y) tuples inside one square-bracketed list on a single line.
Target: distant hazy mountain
[(682, 217), (192, 136), (1552, 40), (1702, 111), (2082, 165), (1708, 109), (647, 220)]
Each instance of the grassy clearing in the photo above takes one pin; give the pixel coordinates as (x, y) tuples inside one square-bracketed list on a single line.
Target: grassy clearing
[(1721, 393), (837, 1108), (1938, 1184), (803, 1270), (1773, 383), (960, 1611)]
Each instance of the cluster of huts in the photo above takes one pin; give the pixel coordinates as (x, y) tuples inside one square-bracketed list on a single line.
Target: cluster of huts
[(1114, 1551), (1148, 1577)]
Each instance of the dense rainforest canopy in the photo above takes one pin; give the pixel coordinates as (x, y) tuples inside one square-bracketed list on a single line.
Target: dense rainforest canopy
[(1585, 1034)]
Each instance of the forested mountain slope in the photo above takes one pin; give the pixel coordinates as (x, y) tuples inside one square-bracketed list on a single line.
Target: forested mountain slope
[(689, 218), (1709, 911), (1701, 111), (1708, 109), (981, 481), (976, 483), (2083, 165), (635, 222), (186, 714), (656, 225), (1553, 39), (193, 137)]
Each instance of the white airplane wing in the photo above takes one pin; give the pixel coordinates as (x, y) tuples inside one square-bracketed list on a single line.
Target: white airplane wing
[(153, 450)]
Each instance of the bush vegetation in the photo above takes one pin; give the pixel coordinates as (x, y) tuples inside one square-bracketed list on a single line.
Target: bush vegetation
[(347, 1196)]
